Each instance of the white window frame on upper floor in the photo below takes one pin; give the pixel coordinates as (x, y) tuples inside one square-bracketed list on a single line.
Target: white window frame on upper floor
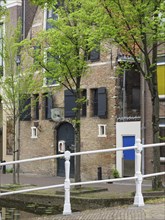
[(45, 78), (159, 63)]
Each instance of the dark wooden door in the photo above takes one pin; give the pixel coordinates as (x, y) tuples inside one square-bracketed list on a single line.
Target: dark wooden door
[(65, 132)]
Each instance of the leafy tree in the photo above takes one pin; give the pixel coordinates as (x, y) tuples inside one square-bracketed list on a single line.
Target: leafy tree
[(15, 84), (2, 8), (138, 27), (68, 43)]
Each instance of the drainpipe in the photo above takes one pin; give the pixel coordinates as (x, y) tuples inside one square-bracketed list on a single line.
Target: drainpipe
[(124, 95), (23, 19), (143, 94)]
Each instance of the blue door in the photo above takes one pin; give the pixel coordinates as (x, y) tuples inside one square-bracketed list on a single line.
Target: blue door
[(128, 156), (129, 141)]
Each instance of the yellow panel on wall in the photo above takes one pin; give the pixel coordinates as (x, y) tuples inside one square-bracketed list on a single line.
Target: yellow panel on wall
[(161, 79)]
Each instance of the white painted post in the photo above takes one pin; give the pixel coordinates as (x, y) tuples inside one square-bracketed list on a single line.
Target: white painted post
[(138, 199), (67, 205)]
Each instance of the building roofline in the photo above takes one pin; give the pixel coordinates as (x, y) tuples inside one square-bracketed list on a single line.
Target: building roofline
[(12, 3)]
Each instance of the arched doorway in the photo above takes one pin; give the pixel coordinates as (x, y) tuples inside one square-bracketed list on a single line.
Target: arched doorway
[(65, 133)]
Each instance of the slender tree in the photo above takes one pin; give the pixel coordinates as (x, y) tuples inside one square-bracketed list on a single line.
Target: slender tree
[(68, 43), (15, 85), (137, 27)]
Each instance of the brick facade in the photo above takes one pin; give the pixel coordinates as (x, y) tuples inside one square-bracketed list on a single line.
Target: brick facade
[(99, 74)]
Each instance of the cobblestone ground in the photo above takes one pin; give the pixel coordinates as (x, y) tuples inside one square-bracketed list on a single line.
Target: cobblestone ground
[(148, 212)]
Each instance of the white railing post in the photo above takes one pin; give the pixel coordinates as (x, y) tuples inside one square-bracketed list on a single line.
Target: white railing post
[(67, 205), (138, 199)]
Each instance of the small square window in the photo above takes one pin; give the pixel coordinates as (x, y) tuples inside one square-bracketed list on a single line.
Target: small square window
[(102, 130), (33, 132)]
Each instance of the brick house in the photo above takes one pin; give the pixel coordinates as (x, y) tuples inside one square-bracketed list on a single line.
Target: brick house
[(117, 112)]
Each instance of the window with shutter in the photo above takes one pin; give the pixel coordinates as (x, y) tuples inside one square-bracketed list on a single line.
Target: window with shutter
[(95, 102), (102, 102), (69, 104), (25, 109), (48, 106), (36, 106), (84, 104), (99, 102), (162, 135)]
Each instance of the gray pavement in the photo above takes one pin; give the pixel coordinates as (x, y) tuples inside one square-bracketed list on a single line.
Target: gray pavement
[(148, 212), (155, 211)]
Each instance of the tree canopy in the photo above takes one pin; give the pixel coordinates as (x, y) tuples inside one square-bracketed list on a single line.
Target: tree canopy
[(136, 27), (63, 50)]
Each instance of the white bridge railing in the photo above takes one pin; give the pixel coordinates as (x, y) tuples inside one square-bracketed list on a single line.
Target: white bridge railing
[(138, 177)]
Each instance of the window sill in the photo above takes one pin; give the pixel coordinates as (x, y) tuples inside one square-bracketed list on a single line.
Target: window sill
[(34, 137), (102, 136), (162, 159)]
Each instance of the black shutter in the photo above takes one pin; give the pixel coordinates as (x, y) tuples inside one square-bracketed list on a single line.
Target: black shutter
[(25, 109), (102, 102), (95, 55), (36, 106), (69, 104), (84, 105)]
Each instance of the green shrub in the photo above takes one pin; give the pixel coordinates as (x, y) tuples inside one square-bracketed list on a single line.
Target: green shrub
[(116, 173)]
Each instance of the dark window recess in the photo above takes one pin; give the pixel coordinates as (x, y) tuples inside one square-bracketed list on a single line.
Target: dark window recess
[(25, 109), (50, 81), (100, 102), (161, 59), (94, 55), (36, 106), (69, 104), (48, 106), (50, 15), (84, 104), (95, 102), (136, 98), (162, 139), (1, 70)]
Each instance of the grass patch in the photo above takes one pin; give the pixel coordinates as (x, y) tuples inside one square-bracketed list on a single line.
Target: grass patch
[(156, 200)]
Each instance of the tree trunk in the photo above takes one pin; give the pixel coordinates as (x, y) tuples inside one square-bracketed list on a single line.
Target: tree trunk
[(18, 149), (156, 181), (14, 152), (77, 158), (77, 134)]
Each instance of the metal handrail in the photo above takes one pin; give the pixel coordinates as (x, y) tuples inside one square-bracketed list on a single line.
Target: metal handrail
[(138, 177)]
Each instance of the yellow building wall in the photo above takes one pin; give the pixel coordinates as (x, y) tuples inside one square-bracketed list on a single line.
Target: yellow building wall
[(161, 79)]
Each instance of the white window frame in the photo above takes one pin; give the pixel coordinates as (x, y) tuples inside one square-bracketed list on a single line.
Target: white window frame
[(102, 130), (34, 132), (45, 78)]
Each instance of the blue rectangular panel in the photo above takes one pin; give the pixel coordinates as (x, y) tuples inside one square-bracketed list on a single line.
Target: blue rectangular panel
[(129, 141)]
